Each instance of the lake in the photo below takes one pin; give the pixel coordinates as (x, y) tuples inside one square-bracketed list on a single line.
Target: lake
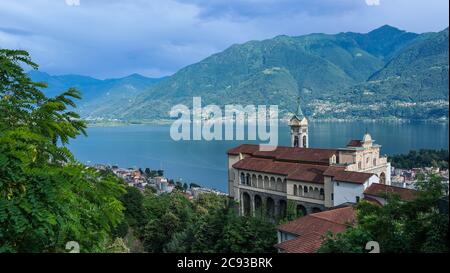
[(205, 162)]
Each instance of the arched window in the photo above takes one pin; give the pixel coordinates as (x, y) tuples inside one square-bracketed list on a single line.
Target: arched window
[(273, 186), (295, 141), (295, 189), (374, 161), (242, 178), (322, 193), (305, 189), (266, 182), (382, 178), (304, 141), (247, 180), (279, 184)]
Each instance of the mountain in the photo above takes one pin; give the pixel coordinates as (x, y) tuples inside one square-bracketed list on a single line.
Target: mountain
[(384, 74), (414, 84), (95, 92)]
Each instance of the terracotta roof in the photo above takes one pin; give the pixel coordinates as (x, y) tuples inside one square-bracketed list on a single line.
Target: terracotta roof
[(352, 177), (282, 153), (299, 171), (311, 228), (244, 148), (355, 143), (336, 220), (344, 216), (378, 190), (347, 176), (292, 171), (308, 243), (309, 173)]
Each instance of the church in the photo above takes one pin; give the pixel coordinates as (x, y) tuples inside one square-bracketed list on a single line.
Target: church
[(313, 179)]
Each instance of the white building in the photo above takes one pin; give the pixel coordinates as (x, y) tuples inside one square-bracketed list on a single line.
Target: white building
[(314, 179)]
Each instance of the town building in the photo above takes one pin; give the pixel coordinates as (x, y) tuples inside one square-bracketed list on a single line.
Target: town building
[(314, 179)]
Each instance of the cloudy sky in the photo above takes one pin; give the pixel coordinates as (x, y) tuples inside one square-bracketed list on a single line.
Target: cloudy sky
[(112, 38)]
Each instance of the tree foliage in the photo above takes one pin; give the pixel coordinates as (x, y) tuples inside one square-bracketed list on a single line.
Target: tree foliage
[(421, 158), (209, 224), (46, 197)]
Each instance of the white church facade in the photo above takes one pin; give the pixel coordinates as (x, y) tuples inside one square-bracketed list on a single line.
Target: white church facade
[(314, 179)]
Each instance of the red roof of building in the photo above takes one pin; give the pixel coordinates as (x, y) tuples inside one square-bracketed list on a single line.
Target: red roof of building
[(292, 171), (281, 153), (299, 171), (308, 243), (311, 228), (348, 176), (355, 143), (244, 149), (379, 190)]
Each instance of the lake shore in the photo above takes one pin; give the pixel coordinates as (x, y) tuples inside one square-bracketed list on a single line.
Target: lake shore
[(113, 123)]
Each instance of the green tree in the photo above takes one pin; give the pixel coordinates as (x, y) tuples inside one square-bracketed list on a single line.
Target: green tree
[(46, 197)]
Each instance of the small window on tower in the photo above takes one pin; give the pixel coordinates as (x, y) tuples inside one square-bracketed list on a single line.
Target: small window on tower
[(296, 141)]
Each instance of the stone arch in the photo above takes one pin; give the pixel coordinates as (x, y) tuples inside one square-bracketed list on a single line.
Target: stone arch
[(254, 181), (279, 184), (301, 210), (382, 178), (258, 205), (260, 182), (295, 144), (247, 179), (246, 204), (266, 182), (282, 207), (270, 207), (273, 186), (295, 189)]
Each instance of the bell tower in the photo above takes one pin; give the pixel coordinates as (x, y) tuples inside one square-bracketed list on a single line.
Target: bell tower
[(299, 129)]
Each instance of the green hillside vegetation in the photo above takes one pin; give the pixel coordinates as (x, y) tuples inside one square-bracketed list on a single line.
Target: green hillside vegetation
[(98, 94), (383, 74), (420, 159)]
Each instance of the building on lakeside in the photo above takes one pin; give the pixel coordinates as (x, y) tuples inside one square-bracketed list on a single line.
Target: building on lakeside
[(315, 179)]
